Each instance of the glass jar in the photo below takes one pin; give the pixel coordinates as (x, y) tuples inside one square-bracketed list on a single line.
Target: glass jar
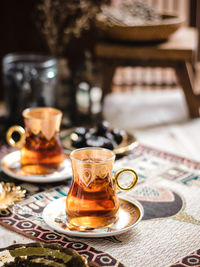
[(29, 81)]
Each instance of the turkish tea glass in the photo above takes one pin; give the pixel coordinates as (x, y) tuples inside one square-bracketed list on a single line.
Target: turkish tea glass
[(92, 201), (41, 150)]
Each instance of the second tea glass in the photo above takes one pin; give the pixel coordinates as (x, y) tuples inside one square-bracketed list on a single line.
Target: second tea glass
[(41, 149)]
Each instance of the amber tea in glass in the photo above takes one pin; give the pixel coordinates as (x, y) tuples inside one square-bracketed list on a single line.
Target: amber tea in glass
[(92, 202), (41, 150)]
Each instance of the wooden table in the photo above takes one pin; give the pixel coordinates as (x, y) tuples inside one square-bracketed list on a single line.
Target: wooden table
[(179, 52)]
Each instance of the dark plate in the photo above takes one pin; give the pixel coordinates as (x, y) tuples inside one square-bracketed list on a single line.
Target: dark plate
[(34, 254), (128, 143)]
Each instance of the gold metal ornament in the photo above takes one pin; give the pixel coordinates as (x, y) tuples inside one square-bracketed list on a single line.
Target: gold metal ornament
[(10, 194)]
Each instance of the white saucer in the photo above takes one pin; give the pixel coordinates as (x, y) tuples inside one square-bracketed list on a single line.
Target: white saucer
[(130, 213), (10, 165)]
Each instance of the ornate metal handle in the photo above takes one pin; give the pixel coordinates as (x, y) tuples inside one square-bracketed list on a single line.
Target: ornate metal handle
[(20, 130), (135, 179)]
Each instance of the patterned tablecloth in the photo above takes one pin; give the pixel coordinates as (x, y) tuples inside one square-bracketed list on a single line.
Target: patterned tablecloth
[(168, 235)]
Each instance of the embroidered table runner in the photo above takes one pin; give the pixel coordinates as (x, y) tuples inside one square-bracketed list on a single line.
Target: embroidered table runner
[(168, 235)]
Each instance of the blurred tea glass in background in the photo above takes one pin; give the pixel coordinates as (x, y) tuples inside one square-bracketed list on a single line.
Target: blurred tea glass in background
[(29, 81), (41, 149)]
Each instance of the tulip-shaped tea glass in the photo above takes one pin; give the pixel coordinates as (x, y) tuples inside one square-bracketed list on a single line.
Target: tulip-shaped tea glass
[(92, 202), (41, 151)]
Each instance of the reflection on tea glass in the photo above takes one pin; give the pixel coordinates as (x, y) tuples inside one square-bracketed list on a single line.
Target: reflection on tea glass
[(41, 150), (92, 201)]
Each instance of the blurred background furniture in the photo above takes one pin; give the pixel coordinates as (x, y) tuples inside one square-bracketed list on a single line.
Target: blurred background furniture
[(19, 33), (148, 70), (178, 52)]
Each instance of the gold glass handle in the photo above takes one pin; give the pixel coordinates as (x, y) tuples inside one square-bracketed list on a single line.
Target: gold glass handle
[(20, 130), (135, 179)]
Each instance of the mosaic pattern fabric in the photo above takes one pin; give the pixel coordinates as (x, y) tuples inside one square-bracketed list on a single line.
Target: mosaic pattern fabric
[(29, 228), (191, 260), (168, 189)]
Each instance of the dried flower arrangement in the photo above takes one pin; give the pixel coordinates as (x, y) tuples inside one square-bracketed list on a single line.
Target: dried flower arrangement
[(60, 20)]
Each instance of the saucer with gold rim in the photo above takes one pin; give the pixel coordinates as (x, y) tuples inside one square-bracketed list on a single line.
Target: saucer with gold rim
[(10, 165), (130, 214)]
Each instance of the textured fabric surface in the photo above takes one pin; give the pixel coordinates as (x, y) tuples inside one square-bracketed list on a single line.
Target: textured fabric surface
[(168, 235)]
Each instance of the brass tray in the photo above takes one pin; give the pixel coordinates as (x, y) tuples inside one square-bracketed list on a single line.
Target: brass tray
[(140, 33), (45, 254), (128, 143)]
